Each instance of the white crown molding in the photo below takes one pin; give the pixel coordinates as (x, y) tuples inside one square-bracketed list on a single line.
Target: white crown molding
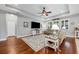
[(23, 12), (33, 16), (5, 10), (62, 16)]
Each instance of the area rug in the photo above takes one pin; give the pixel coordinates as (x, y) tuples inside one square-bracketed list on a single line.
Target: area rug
[(36, 42)]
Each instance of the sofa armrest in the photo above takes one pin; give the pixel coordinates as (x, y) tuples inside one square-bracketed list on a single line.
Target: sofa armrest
[(62, 36)]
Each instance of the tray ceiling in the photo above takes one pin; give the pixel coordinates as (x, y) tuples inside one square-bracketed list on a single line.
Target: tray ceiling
[(35, 9)]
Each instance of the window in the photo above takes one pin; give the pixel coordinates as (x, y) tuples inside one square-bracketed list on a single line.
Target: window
[(49, 25), (64, 23)]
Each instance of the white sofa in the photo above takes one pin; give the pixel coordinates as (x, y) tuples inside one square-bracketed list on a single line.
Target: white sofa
[(61, 36)]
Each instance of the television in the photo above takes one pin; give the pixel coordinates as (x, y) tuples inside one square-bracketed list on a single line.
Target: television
[(35, 25)]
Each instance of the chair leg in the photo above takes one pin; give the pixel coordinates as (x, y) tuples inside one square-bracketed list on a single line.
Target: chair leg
[(58, 51), (55, 50)]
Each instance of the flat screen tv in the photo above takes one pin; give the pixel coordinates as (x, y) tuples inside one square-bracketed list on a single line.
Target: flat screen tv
[(35, 25)]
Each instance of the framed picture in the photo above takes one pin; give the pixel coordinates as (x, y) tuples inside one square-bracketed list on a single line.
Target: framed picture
[(25, 24)]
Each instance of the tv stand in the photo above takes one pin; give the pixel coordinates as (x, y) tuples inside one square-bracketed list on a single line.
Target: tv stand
[(35, 31)]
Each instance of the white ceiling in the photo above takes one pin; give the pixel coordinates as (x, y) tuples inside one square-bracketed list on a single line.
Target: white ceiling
[(35, 9)]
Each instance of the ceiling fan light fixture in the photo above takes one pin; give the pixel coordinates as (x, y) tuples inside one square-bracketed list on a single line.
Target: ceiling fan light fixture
[(45, 13)]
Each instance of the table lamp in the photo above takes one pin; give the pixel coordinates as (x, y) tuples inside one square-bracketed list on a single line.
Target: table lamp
[(55, 28)]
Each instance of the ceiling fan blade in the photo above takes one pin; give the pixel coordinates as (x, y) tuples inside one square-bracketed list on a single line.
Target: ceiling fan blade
[(49, 12)]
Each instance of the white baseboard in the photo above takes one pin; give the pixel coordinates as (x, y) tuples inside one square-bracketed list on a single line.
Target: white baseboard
[(69, 36), (3, 39)]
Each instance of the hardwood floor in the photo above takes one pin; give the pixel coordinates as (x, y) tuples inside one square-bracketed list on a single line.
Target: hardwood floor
[(17, 46)]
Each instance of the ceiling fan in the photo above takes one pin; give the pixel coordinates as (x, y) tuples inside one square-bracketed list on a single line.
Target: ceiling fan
[(44, 12)]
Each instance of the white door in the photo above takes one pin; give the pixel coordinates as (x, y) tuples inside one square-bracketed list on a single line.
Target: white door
[(11, 24), (10, 28)]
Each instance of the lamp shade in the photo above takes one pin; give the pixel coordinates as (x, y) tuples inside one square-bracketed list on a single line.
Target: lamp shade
[(63, 27), (55, 27)]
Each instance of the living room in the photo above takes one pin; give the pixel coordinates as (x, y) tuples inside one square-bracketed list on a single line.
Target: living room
[(30, 24)]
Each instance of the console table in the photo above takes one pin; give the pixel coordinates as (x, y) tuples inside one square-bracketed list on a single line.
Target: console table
[(52, 42)]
